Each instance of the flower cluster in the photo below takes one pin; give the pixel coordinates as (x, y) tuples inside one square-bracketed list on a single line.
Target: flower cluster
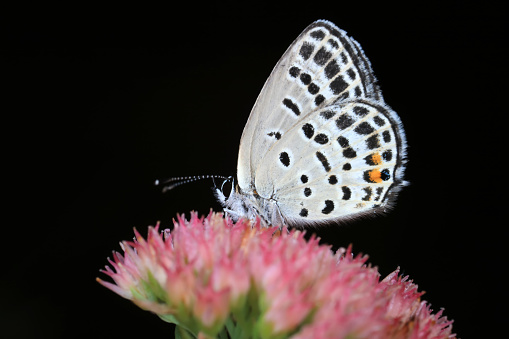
[(214, 278)]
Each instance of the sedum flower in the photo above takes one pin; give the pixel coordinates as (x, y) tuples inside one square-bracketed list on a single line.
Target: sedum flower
[(213, 278)]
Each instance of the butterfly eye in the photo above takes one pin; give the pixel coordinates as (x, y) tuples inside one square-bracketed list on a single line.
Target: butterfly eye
[(227, 186)]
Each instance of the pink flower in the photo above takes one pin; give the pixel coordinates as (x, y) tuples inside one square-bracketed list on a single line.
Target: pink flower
[(214, 278)]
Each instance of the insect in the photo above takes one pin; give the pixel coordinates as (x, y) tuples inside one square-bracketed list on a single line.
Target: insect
[(320, 145)]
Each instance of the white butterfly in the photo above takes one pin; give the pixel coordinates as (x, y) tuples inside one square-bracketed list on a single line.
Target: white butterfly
[(320, 144)]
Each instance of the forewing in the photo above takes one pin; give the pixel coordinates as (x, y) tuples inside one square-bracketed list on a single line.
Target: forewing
[(345, 160), (321, 67)]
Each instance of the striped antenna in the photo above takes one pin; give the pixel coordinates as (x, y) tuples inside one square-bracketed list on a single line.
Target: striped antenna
[(171, 183)]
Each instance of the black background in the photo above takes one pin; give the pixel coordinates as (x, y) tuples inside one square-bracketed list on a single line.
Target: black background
[(97, 103)]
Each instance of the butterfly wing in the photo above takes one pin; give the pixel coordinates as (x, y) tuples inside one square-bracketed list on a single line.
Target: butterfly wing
[(321, 67), (345, 160)]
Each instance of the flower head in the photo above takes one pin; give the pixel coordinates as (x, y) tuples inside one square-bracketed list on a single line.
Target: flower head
[(210, 276)]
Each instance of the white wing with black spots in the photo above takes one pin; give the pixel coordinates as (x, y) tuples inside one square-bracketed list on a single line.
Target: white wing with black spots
[(322, 66), (344, 161), (320, 144)]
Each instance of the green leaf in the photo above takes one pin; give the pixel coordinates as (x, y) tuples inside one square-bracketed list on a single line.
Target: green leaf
[(182, 333), (169, 318)]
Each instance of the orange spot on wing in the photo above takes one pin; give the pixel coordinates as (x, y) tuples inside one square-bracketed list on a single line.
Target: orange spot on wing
[(376, 158), (375, 176)]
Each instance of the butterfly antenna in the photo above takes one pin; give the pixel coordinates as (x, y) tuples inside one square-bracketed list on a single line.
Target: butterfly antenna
[(171, 183)]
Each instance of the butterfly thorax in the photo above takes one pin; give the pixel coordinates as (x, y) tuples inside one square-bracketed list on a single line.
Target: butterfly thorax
[(251, 206)]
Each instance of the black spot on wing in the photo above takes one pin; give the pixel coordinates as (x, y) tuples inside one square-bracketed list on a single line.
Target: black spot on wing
[(364, 128), (351, 74), (370, 160), (305, 78), (307, 191), (322, 56), (327, 114), (292, 106), (385, 174), (319, 99), (344, 121), (347, 193), (331, 69), (276, 135), (360, 111), (321, 139), (284, 158), (324, 161), (317, 35), (308, 130), (294, 71), (329, 207), (306, 50), (349, 153), (379, 121), (343, 142), (373, 142), (387, 155), (369, 192), (344, 58), (386, 136), (313, 88), (338, 85), (333, 43)]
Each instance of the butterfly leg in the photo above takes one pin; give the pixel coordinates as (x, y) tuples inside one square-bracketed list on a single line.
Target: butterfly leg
[(234, 216)]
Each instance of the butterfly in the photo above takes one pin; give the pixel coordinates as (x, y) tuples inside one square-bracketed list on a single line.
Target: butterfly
[(320, 145)]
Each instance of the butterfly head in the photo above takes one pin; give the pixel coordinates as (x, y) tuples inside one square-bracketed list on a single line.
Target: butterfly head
[(235, 204), (225, 191), (238, 204)]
